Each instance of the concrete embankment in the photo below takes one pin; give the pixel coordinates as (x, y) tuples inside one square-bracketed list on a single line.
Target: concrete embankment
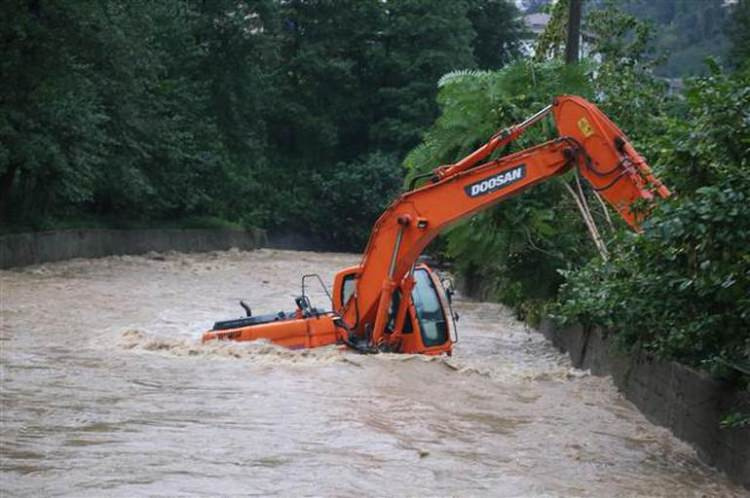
[(23, 249), (687, 401), (41, 247)]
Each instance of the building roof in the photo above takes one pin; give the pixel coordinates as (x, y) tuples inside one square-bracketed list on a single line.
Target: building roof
[(536, 22)]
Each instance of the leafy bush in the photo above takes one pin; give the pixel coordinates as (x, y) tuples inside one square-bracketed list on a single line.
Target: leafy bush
[(682, 289), (711, 138), (350, 198)]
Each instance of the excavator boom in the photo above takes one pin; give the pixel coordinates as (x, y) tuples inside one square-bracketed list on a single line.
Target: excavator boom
[(378, 304)]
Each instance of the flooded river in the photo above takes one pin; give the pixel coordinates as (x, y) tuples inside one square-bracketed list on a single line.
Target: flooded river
[(107, 391)]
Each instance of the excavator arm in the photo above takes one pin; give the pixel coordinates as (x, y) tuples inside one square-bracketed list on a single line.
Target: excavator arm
[(412, 222), (588, 140), (376, 303)]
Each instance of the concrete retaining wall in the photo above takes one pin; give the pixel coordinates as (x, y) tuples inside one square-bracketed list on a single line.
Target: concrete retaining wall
[(687, 401), (41, 247), (21, 249)]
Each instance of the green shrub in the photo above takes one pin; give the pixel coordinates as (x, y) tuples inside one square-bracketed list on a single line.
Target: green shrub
[(347, 201), (682, 289)]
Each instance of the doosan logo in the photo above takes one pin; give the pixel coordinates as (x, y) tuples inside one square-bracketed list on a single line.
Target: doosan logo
[(497, 181)]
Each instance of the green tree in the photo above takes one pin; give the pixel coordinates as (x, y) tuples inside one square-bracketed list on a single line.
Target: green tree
[(51, 117), (357, 78), (240, 78), (357, 193), (421, 42), (163, 142), (688, 277), (143, 111), (624, 79), (329, 56), (498, 28), (104, 112), (687, 32), (739, 34)]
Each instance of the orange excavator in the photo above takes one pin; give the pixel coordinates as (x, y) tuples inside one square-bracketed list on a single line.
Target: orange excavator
[(391, 301)]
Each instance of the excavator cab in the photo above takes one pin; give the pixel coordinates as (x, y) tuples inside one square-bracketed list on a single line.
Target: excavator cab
[(433, 313), (428, 326)]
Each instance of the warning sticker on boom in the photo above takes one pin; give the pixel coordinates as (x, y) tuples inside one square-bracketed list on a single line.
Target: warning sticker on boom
[(585, 127), (496, 182)]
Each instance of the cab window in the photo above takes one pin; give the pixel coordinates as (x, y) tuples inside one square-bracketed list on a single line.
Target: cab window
[(347, 288), (429, 310)]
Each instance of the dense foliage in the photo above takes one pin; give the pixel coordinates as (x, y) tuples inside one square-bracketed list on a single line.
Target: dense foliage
[(264, 113), (739, 35), (680, 290), (687, 31), (519, 244)]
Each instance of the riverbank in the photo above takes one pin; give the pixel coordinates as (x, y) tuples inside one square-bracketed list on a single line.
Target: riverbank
[(23, 249), (687, 401)]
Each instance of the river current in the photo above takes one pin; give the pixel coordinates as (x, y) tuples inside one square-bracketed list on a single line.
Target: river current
[(107, 391)]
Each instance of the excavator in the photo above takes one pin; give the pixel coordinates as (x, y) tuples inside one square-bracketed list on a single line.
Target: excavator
[(393, 302)]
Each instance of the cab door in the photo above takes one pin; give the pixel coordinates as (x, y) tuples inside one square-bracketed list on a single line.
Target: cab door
[(433, 315)]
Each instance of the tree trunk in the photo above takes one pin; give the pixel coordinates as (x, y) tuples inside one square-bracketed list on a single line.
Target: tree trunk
[(572, 47)]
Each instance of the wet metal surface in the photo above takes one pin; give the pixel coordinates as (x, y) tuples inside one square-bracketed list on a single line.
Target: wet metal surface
[(107, 391)]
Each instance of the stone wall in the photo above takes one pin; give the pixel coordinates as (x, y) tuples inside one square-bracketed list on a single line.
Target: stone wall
[(41, 247), (21, 249), (687, 401)]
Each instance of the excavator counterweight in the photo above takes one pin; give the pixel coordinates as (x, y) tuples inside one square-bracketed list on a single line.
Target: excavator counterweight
[(389, 302)]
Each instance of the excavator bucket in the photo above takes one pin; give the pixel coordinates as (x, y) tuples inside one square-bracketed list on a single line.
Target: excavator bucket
[(609, 162)]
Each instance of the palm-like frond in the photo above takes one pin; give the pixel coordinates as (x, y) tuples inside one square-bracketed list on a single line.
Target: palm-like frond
[(461, 75)]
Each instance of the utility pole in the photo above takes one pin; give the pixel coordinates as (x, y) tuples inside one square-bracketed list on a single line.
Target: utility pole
[(572, 46)]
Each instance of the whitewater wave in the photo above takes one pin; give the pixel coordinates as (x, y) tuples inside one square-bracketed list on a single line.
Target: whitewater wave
[(265, 352), (260, 351)]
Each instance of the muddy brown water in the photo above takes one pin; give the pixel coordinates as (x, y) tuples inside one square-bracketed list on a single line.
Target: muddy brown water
[(106, 391)]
